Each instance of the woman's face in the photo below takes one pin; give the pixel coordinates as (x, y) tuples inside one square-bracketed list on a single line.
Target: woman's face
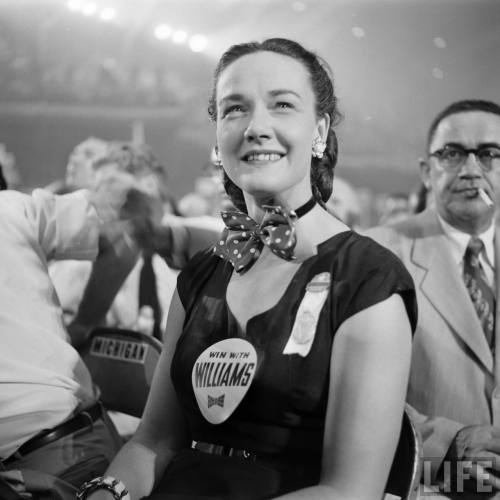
[(266, 123)]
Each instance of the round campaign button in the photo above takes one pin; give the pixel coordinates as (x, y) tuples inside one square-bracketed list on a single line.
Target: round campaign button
[(221, 377)]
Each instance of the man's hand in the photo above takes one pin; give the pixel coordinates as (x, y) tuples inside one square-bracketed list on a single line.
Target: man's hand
[(124, 208), (110, 194), (479, 446), (143, 215)]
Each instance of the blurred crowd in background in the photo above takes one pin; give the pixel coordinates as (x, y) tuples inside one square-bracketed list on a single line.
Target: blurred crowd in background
[(358, 207)]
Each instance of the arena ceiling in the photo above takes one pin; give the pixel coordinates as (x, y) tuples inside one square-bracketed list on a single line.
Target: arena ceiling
[(395, 62)]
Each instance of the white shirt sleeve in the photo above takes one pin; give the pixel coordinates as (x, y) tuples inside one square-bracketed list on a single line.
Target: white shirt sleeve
[(67, 225)]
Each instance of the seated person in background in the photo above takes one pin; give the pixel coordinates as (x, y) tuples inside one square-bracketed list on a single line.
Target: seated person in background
[(451, 249), (288, 343), (145, 285), (142, 300), (135, 292), (50, 418), (79, 169)]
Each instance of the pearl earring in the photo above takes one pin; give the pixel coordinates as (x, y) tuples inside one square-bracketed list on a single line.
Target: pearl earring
[(318, 148)]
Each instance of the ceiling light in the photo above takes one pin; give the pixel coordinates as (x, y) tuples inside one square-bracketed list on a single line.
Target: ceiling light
[(107, 14), (179, 36), (198, 43), (162, 31)]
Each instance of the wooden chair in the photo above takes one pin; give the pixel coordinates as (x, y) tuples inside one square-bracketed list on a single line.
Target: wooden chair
[(122, 364)]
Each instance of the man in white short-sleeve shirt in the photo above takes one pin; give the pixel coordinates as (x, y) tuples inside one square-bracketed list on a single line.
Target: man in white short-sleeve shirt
[(50, 418)]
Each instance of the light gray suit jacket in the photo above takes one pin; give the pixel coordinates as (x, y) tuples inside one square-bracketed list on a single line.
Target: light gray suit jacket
[(455, 379)]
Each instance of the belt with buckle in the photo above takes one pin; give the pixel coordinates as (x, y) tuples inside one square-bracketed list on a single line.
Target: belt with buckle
[(227, 451), (83, 419)]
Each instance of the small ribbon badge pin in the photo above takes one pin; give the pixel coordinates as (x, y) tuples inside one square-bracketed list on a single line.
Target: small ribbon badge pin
[(306, 319)]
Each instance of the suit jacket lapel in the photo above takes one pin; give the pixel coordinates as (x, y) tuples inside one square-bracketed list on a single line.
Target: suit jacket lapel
[(444, 287), (496, 265)]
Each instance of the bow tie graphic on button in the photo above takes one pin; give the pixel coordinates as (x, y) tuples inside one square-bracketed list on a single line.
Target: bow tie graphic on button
[(243, 238), (216, 401)]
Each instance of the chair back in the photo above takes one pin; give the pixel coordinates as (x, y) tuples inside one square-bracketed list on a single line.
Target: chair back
[(404, 477), (122, 363)]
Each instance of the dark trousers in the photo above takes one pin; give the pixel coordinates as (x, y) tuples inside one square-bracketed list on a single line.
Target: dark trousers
[(69, 461)]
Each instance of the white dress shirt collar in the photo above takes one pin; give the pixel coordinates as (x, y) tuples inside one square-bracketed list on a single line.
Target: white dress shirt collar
[(459, 241)]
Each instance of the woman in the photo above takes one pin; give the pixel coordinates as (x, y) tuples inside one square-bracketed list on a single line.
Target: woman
[(288, 344)]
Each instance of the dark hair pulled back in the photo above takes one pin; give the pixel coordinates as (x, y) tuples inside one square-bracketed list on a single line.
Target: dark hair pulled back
[(322, 170)]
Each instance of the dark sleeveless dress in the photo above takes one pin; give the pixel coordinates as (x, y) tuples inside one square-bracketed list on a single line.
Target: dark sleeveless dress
[(281, 416)]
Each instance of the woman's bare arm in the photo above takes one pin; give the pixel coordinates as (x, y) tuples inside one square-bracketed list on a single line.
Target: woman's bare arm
[(369, 374)]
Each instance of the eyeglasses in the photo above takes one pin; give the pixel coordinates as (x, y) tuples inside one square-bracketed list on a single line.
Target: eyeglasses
[(455, 156)]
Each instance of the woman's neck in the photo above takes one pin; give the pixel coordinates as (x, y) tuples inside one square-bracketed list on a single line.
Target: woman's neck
[(255, 203), (314, 228)]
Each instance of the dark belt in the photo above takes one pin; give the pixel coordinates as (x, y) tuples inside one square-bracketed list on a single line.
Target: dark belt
[(81, 420), (227, 451)]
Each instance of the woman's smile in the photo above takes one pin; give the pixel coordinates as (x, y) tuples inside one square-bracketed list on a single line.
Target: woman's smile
[(261, 157)]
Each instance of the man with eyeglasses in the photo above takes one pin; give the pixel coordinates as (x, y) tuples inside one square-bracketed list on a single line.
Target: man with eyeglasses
[(453, 254)]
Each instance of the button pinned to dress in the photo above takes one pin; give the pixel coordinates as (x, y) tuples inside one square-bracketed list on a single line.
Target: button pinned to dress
[(306, 320)]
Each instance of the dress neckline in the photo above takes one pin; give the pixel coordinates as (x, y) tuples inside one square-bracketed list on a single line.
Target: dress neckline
[(304, 265)]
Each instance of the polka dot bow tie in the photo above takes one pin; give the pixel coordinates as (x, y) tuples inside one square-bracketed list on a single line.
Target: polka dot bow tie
[(243, 238)]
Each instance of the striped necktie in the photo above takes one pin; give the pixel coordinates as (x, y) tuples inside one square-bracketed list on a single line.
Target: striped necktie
[(479, 290)]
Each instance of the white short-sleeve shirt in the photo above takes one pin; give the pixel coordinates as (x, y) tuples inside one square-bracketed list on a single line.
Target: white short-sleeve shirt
[(42, 378)]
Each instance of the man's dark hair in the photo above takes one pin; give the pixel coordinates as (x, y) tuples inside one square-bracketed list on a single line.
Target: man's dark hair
[(461, 107)]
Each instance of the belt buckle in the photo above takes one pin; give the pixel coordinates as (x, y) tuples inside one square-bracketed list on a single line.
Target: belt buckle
[(246, 455), (227, 451)]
